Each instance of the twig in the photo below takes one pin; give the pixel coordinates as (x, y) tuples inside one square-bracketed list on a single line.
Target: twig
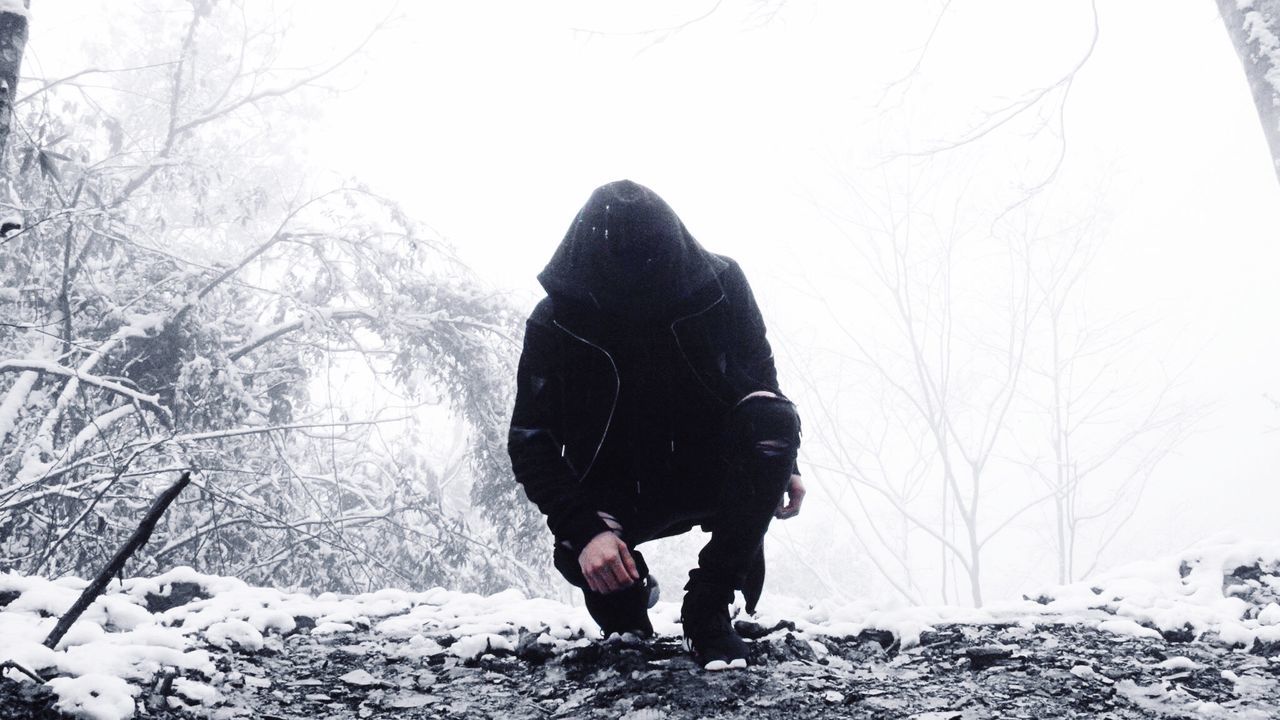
[(137, 540), (16, 666)]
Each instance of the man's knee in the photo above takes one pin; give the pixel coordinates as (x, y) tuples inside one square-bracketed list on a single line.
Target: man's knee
[(565, 560), (767, 423)]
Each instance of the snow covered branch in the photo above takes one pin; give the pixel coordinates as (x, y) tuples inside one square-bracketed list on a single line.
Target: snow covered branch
[(52, 368)]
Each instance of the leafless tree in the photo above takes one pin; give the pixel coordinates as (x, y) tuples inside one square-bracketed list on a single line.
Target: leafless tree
[(1103, 437), (984, 392)]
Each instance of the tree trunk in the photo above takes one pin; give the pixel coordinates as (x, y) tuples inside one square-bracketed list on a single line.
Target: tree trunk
[(13, 40), (1254, 27)]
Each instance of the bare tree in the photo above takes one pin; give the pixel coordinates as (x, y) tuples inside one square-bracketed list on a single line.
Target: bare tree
[(1104, 438), (951, 407), (1254, 29), (985, 392)]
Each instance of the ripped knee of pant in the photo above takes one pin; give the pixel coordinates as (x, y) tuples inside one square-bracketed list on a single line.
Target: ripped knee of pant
[(772, 448), (765, 423)]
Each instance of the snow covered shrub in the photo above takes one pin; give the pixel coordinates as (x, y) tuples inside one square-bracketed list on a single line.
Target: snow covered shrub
[(183, 293)]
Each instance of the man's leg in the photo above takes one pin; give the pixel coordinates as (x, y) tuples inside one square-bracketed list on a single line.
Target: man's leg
[(623, 611), (762, 437)]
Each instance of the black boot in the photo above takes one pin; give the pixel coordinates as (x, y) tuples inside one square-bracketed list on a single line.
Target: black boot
[(626, 610), (708, 634)]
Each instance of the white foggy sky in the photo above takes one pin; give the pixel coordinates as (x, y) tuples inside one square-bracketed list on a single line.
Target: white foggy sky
[(492, 121), (500, 120)]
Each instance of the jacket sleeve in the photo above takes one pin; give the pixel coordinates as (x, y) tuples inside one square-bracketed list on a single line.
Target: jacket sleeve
[(756, 355), (535, 449)]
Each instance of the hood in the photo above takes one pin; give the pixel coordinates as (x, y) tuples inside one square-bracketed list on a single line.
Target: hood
[(628, 254)]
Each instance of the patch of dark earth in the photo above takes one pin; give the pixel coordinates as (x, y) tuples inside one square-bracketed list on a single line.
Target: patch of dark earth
[(956, 672)]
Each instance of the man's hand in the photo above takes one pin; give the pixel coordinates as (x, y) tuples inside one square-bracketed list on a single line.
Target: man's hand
[(795, 496), (607, 565)]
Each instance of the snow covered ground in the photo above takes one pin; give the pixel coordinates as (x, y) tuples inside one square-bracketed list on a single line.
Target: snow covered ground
[(175, 631)]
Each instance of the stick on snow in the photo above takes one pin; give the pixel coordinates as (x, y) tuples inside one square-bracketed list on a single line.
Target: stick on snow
[(137, 540), (7, 664)]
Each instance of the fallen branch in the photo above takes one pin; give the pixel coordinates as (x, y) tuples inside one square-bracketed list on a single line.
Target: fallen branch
[(137, 540), (17, 666)]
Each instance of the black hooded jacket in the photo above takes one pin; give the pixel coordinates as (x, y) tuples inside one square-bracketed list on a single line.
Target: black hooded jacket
[(644, 341)]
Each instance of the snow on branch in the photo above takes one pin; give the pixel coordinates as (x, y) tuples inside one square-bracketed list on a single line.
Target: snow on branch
[(285, 328), (52, 368)]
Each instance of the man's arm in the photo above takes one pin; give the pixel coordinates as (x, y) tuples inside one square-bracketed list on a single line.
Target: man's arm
[(755, 353), (534, 448)]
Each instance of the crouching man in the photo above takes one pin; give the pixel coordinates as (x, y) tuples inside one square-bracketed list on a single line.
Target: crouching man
[(647, 403)]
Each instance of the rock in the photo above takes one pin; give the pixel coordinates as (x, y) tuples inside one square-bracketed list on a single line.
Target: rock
[(407, 700), (752, 630), (531, 651), (984, 656), (644, 714), (1184, 634), (585, 655), (884, 638), (1244, 572), (180, 593), (798, 648), (360, 678), (644, 700), (1268, 649)]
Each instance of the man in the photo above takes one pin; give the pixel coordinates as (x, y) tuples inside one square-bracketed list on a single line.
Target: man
[(647, 402)]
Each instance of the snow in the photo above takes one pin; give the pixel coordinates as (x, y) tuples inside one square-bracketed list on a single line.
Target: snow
[(1256, 25), (1179, 662), (1084, 672), (18, 8), (196, 692), (360, 677), (235, 634), (96, 696), (14, 400), (1270, 615), (473, 646), (118, 647), (1162, 702), (1127, 627)]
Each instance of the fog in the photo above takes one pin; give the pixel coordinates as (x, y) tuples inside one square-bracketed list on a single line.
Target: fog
[(967, 157)]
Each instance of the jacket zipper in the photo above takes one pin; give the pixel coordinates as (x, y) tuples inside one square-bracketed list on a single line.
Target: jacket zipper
[(617, 380), (617, 390), (685, 355)]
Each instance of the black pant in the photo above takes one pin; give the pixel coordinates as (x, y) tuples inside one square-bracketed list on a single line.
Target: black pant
[(730, 486)]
